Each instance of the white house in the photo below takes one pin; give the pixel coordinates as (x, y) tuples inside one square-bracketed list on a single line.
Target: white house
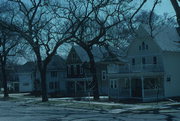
[(152, 71), (26, 77), (29, 77)]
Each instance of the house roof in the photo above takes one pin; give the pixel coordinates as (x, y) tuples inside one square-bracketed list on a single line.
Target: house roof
[(57, 63), (100, 53), (166, 37), (27, 67)]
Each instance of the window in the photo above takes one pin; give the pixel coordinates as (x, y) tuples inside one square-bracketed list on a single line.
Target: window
[(143, 46), (126, 84), (113, 84), (154, 60), (69, 70), (54, 74), (168, 78), (78, 69), (103, 75), (75, 70), (139, 47), (56, 84), (73, 56), (51, 86), (152, 83), (72, 70), (81, 70), (143, 60), (133, 61), (25, 84), (147, 47)]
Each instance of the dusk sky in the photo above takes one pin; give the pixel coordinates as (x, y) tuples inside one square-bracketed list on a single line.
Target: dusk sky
[(164, 7)]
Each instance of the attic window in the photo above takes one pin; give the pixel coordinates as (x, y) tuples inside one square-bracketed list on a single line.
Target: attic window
[(73, 56)]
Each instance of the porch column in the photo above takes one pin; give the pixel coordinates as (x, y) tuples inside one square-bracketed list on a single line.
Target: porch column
[(142, 82), (130, 90), (84, 85), (75, 87)]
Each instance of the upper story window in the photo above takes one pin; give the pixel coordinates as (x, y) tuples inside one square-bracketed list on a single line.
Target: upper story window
[(81, 70), (54, 74), (133, 61), (143, 60), (72, 69), (73, 56), (69, 70), (78, 69), (154, 60), (103, 75), (143, 46)]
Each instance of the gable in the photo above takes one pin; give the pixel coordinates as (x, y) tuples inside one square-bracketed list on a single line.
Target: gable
[(57, 63), (73, 57), (166, 37), (143, 45)]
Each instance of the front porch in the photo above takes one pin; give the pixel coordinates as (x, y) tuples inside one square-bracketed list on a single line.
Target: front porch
[(78, 87), (141, 88)]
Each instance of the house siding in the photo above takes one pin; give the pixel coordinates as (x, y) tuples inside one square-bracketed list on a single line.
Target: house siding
[(25, 82), (171, 65)]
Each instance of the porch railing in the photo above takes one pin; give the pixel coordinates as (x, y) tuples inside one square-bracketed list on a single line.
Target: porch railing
[(141, 68)]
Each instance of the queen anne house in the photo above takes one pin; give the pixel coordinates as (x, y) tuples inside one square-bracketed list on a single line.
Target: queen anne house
[(151, 69), (79, 77)]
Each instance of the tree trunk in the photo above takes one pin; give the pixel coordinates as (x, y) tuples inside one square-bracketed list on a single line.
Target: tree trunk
[(94, 74), (43, 85), (177, 10), (4, 78), (3, 67), (42, 66)]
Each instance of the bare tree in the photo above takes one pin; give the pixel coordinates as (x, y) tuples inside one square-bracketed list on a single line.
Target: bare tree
[(35, 22), (8, 42), (92, 21), (177, 10)]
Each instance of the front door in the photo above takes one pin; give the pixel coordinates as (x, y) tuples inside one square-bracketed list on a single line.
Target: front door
[(136, 88)]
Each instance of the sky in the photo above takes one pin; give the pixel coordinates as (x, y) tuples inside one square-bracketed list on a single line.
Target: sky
[(164, 7)]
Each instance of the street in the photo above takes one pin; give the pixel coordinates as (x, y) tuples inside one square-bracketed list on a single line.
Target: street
[(14, 111)]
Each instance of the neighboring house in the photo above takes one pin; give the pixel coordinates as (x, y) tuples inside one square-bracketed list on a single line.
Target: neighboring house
[(11, 77), (29, 77), (26, 75), (56, 74), (152, 71), (79, 77), (13, 80)]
